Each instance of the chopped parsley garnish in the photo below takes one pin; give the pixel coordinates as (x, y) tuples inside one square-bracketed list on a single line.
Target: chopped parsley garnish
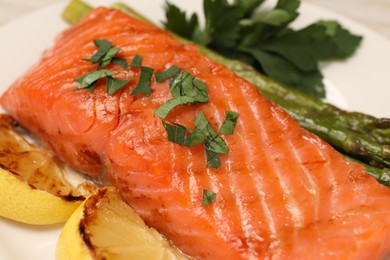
[(120, 61), (230, 123), (105, 54), (265, 40), (113, 85), (103, 47), (109, 56), (136, 62), (203, 133), (143, 86), (164, 109), (176, 133), (186, 89), (169, 73), (208, 197), (89, 80), (213, 142), (186, 84), (213, 159)]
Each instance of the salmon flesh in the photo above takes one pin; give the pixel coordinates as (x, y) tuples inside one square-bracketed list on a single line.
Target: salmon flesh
[(281, 192)]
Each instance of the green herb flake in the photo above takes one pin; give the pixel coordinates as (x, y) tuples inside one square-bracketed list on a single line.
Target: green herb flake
[(170, 72), (230, 123), (136, 62), (106, 59), (120, 61), (105, 54), (195, 137), (208, 197), (176, 133), (164, 109), (213, 160), (113, 85), (203, 133), (143, 86), (89, 80), (214, 143), (103, 47), (202, 91), (177, 82), (185, 84)]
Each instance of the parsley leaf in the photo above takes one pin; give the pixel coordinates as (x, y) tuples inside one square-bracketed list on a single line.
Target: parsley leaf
[(106, 59), (230, 123), (203, 133), (105, 54), (222, 33), (213, 159), (208, 197), (170, 72), (164, 109), (143, 86), (114, 85), (89, 80), (213, 141), (247, 7), (276, 68), (185, 84), (345, 42), (290, 6), (264, 40), (176, 133), (103, 47), (177, 21), (214, 144), (136, 62), (195, 137), (185, 88), (120, 61)]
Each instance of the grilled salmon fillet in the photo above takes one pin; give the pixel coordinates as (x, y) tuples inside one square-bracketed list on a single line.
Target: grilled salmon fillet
[(281, 192)]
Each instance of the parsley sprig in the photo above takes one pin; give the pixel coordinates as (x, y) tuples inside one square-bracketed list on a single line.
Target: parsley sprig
[(265, 39)]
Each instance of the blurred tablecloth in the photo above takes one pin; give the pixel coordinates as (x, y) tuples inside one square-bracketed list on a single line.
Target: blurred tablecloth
[(373, 13)]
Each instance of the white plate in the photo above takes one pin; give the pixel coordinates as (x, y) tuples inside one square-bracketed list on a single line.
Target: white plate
[(361, 83)]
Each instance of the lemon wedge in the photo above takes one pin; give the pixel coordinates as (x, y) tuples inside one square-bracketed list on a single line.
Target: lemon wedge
[(105, 227), (33, 188)]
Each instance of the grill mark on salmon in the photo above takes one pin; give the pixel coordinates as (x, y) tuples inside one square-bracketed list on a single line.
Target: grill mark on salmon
[(253, 231)]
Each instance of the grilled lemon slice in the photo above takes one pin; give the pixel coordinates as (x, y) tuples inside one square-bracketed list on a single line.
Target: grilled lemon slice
[(33, 188), (105, 227)]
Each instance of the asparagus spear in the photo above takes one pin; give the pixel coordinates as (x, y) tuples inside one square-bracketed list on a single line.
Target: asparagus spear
[(355, 134), (75, 10)]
